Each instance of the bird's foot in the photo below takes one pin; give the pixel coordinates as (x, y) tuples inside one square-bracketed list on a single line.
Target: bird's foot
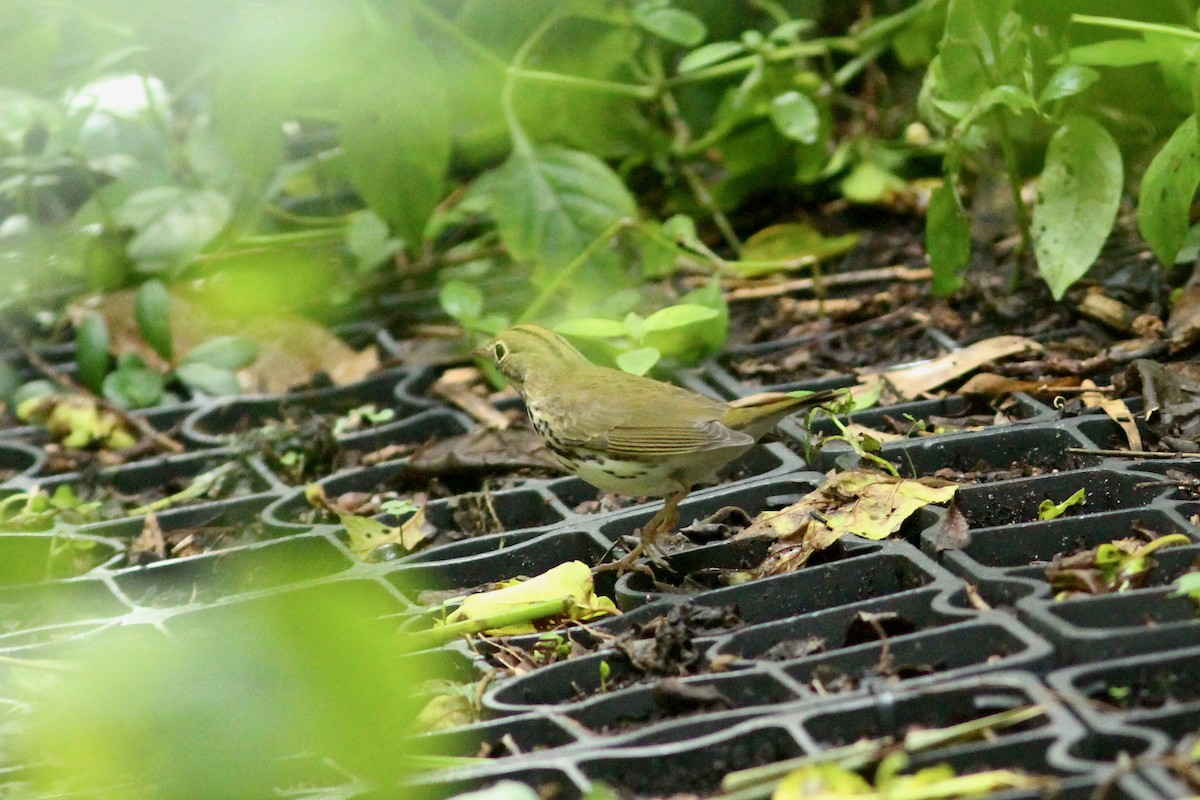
[(646, 547)]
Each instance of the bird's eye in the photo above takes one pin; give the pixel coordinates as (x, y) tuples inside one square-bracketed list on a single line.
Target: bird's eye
[(500, 351)]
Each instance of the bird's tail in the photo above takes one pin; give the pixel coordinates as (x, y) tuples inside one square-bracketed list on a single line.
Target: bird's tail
[(759, 413)]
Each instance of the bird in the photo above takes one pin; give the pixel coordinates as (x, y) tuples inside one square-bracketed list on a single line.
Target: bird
[(630, 434)]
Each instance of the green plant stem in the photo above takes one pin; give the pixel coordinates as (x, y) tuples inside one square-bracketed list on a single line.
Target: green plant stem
[(1014, 183), (569, 270), (520, 139), (1169, 540), (281, 213), (816, 47), (435, 637), (1177, 31), (581, 82), (469, 43)]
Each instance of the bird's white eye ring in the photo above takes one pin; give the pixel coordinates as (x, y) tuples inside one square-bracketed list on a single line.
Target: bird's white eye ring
[(500, 351)]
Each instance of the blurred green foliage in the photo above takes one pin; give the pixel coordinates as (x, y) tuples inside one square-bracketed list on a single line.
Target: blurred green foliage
[(297, 154), (247, 699)]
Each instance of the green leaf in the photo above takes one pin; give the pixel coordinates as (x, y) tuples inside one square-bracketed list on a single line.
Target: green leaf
[(592, 328), (1114, 53), (461, 300), (1077, 205), (669, 23), (1188, 584), (209, 379), (152, 308), (1067, 80), (788, 245), (640, 361), (947, 238), (172, 225), (91, 351), (708, 55), (395, 131), (1168, 188), (551, 203), (685, 332), (678, 316), (369, 240), (1048, 509), (796, 117), (133, 386), (224, 352), (868, 182)]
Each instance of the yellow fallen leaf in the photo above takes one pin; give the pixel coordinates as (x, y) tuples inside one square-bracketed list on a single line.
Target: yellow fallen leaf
[(570, 580)]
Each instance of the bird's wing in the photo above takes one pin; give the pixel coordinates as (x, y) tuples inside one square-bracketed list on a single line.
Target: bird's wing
[(628, 415)]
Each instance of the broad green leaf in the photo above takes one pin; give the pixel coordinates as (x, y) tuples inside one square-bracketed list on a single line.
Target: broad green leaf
[(796, 117), (224, 352), (868, 182), (273, 54), (1113, 53), (640, 361), (788, 245), (171, 225), (1077, 204), (710, 54), (133, 387), (1067, 80), (206, 378), (947, 239), (551, 203), (369, 240), (669, 23), (678, 316), (395, 130), (461, 300), (1168, 188), (91, 351), (592, 328), (152, 308)]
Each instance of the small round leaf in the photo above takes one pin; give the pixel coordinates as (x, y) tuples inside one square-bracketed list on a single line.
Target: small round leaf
[(133, 387), (229, 353), (152, 307), (796, 117), (206, 378), (91, 351)]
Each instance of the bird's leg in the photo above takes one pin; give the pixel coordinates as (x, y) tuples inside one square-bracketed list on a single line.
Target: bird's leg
[(661, 523)]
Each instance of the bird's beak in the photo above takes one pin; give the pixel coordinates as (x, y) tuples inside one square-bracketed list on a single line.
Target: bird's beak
[(481, 352)]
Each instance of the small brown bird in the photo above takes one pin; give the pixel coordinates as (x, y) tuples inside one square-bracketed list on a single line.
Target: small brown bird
[(627, 434)]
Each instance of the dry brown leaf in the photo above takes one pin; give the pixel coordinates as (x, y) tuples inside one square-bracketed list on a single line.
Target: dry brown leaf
[(914, 381), (1183, 325), (992, 385), (459, 387), (1117, 411), (149, 545), (867, 504), (292, 350)]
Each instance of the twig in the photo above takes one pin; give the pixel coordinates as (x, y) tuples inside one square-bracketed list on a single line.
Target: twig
[(1099, 451), (760, 290), (66, 382)]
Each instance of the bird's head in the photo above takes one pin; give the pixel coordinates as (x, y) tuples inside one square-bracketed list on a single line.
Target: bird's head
[(525, 350)]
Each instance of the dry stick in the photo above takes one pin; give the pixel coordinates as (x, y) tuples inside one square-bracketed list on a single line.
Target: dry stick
[(897, 273), (64, 381), (1097, 451)]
